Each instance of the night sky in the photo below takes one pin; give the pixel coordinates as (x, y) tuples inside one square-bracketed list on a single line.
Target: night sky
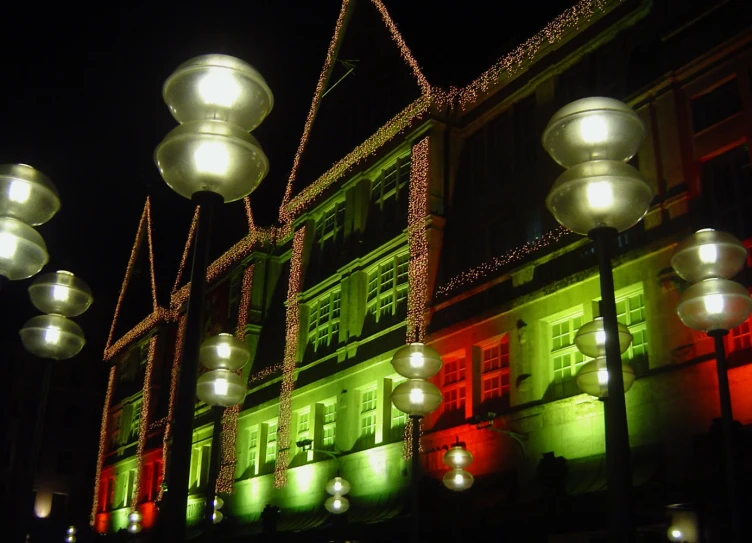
[(81, 101)]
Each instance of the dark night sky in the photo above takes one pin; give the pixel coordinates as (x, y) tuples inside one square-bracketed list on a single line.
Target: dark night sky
[(81, 101)]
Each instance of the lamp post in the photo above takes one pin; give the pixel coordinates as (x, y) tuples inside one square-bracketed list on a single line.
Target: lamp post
[(52, 337), (27, 199), (457, 459), (714, 304), (220, 387), (210, 158), (416, 397), (599, 195)]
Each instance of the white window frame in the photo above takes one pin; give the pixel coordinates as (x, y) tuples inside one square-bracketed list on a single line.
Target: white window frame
[(387, 286), (323, 327)]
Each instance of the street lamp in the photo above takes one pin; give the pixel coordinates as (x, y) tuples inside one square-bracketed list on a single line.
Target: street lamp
[(599, 195), (714, 304), (222, 355), (210, 158), (590, 340), (457, 478), (337, 503), (416, 397), (134, 522)]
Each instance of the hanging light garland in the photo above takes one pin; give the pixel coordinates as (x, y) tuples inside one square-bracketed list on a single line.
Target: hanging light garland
[(417, 241), (102, 444), (143, 426), (141, 329), (186, 250), (292, 324)]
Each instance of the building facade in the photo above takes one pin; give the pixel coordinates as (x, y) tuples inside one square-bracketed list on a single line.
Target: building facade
[(434, 228)]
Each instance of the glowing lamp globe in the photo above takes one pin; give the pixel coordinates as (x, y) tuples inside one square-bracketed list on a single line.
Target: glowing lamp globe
[(22, 250), (416, 361), (458, 457), (416, 397), (714, 304), (338, 486), (458, 480), (52, 336), (134, 527), (674, 534), (61, 293), (221, 387), (591, 338), (337, 504), (593, 377), (218, 503), (217, 517), (27, 194), (595, 128), (70, 538), (219, 87), (135, 517), (224, 351), (708, 253), (71, 530), (600, 193), (211, 156)]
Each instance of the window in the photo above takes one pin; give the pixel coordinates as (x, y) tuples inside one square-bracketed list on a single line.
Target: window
[(151, 480), (391, 181), (115, 422), (368, 414), (303, 430), (200, 459), (495, 370), (453, 383), (323, 326), (135, 421), (270, 456), (397, 426), (727, 191), (110, 493), (565, 357), (740, 337), (252, 457), (715, 105), (130, 479), (630, 311), (330, 223), (387, 286), (328, 424)]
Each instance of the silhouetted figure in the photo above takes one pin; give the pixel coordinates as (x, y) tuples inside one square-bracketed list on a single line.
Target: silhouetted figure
[(269, 518)]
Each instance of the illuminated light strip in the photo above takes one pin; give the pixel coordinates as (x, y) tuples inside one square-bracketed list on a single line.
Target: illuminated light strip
[(229, 454), (264, 373), (407, 442), (417, 241), (171, 405), (137, 331), (525, 52), (513, 255), (145, 222), (381, 137), (292, 324), (159, 423), (102, 444), (326, 70), (249, 216), (143, 427), (186, 250)]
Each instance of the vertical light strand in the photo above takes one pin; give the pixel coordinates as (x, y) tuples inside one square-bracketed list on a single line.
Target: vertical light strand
[(407, 442), (186, 249), (171, 405), (292, 325), (102, 444), (154, 305), (417, 241), (143, 426), (249, 217)]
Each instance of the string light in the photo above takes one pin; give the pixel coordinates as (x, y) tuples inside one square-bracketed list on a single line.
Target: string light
[(264, 373), (496, 263), (292, 324), (102, 444), (186, 250), (144, 421), (141, 329), (407, 442), (417, 241)]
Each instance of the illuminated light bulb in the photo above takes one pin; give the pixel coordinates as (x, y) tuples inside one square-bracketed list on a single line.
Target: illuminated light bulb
[(337, 486), (60, 293), (593, 129), (52, 335), (219, 88), (8, 245), (211, 158), (458, 479), (713, 303), (676, 534), (458, 458), (416, 360), (220, 387), (19, 191), (223, 350), (708, 254), (600, 195), (602, 376), (600, 338), (337, 504), (416, 396)]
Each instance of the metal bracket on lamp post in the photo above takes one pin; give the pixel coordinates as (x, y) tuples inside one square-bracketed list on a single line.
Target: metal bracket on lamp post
[(486, 423), (307, 445)]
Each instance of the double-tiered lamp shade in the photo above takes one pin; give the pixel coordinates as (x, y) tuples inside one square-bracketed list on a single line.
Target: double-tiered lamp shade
[(23, 252), (134, 522), (416, 397), (590, 340), (70, 534), (26, 194), (337, 503), (416, 361), (338, 485), (708, 254), (218, 100), (223, 355), (457, 478), (52, 336), (593, 138), (217, 516), (60, 293)]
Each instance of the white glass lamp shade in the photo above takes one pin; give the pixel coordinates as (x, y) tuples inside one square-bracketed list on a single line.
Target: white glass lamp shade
[(708, 253), (416, 397), (52, 336), (220, 387), (27, 194), (593, 377), (714, 304), (219, 503), (61, 293), (134, 527), (218, 87), (338, 486), (224, 351), (70, 538), (458, 480), (22, 250), (600, 193), (674, 534), (337, 504), (458, 457), (591, 338), (71, 530), (211, 156), (416, 361), (217, 517), (135, 517), (593, 128)]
